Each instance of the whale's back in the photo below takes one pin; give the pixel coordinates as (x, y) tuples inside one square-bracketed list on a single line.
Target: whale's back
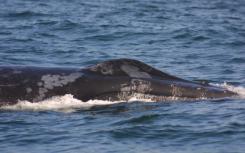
[(129, 68)]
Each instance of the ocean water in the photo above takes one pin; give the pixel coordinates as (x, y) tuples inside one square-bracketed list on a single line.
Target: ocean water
[(190, 39)]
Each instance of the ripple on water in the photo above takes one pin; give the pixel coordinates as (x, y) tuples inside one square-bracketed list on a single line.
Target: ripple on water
[(24, 14), (238, 60), (190, 39)]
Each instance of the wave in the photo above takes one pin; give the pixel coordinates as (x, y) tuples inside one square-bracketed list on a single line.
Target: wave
[(68, 103)]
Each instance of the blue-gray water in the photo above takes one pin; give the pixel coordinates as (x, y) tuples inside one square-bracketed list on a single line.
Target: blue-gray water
[(191, 39)]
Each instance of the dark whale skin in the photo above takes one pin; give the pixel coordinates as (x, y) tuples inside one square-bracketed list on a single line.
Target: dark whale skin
[(110, 80)]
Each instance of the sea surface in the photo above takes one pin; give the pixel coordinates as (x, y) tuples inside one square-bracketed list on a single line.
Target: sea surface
[(202, 39)]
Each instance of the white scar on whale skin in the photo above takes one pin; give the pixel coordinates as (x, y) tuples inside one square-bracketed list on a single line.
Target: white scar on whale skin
[(176, 91), (51, 81), (28, 90), (133, 71), (137, 85)]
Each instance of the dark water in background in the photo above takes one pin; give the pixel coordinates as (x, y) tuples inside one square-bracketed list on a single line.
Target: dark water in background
[(191, 39)]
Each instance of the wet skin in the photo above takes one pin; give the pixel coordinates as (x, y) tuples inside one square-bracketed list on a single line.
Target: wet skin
[(118, 79)]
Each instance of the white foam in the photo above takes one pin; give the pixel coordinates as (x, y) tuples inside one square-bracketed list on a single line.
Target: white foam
[(239, 89), (66, 103)]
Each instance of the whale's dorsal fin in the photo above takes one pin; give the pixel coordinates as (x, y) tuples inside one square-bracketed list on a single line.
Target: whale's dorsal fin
[(130, 68)]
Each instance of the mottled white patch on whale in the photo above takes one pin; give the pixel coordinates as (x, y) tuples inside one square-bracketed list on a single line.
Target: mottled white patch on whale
[(51, 81), (141, 86), (48, 82), (39, 84), (176, 91), (134, 71), (28, 90)]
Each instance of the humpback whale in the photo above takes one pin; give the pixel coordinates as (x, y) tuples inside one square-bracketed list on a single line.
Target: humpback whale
[(117, 79)]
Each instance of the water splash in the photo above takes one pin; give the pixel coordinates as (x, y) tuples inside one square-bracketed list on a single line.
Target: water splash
[(66, 103), (236, 89)]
